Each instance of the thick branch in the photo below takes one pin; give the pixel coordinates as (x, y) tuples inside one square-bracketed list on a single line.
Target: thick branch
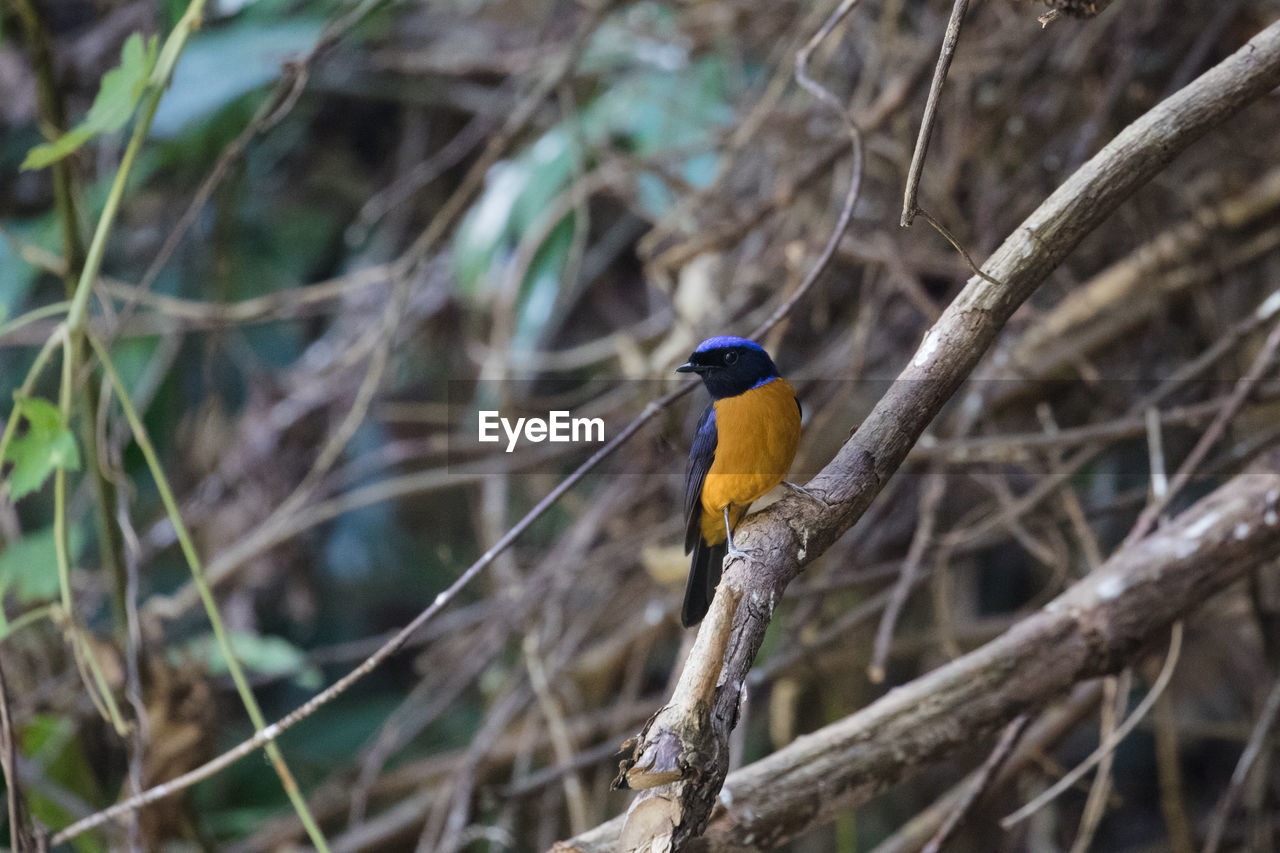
[(1095, 627), (791, 533)]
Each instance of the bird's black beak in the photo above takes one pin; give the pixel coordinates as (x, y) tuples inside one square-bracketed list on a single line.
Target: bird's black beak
[(687, 367)]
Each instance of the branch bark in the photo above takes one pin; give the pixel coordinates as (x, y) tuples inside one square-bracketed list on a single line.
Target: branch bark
[(1096, 627), (788, 535)]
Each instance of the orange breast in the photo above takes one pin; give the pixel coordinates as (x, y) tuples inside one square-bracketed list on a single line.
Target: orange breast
[(757, 433)]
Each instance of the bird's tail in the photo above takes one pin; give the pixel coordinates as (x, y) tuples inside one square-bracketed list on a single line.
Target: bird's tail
[(704, 574)]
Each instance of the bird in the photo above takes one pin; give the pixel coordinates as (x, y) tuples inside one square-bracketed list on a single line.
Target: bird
[(742, 448)]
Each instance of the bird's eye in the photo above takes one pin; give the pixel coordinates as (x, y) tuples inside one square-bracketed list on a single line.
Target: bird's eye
[(730, 357)]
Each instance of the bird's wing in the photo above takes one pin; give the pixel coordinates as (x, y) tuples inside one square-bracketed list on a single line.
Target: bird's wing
[(701, 455)]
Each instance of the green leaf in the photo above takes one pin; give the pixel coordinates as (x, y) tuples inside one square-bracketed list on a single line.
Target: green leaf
[(660, 103), (55, 745), (118, 96), (46, 446), (43, 416), (268, 655), (220, 65), (30, 565)]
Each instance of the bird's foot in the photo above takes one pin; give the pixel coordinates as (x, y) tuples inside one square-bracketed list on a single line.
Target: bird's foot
[(731, 552)]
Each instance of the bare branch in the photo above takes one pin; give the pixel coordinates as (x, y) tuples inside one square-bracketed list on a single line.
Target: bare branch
[(1096, 627)]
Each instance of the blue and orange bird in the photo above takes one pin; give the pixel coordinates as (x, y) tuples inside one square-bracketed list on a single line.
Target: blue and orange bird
[(743, 447)]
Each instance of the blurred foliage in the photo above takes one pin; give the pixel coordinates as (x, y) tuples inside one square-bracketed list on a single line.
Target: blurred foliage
[(220, 66), (28, 567), (263, 654), (45, 444), (53, 742), (112, 108), (656, 101)]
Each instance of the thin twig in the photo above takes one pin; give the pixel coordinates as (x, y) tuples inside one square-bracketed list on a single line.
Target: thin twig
[(236, 670), (955, 244), (446, 157), (519, 118), (1265, 310), (927, 515), (561, 742), (1047, 729), (1025, 446), (1211, 435), (949, 41), (1115, 698), (269, 733), (66, 192), (1108, 745), (463, 780), (270, 112), (855, 180), (1173, 801), (19, 836), (978, 783), (1257, 739), (133, 650), (403, 269)]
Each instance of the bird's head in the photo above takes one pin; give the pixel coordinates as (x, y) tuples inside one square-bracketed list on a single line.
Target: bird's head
[(729, 366)]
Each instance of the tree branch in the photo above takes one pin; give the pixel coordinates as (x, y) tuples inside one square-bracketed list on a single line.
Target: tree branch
[(1097, 626)]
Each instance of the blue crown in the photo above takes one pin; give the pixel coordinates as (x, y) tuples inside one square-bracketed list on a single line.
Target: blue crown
[(724, 341)]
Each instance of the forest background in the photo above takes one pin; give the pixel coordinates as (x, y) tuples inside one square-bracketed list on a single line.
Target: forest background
[(306, 241)]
